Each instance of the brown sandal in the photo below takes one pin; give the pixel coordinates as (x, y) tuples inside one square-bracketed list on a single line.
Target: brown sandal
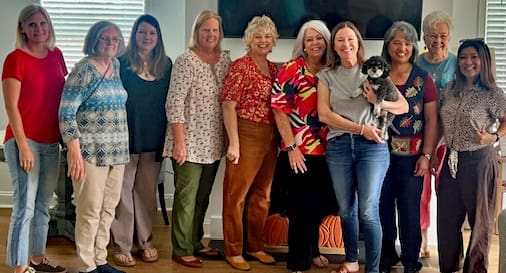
[(124, 259), (149, 255)]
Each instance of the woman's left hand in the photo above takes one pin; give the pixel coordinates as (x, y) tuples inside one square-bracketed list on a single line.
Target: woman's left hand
[(369, 93), (483, 137), (422, 166)]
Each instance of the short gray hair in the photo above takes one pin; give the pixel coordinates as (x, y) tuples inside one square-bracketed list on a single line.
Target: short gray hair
[(92, 38), (434, 18), (24, 15), (410, 35), (320, 27), (256, 24)]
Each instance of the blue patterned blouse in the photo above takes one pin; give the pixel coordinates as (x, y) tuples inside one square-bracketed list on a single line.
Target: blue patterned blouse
[(93, 109)]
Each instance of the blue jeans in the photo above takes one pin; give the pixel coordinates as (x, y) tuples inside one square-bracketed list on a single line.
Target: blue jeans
[(357, 167), (32, 194)]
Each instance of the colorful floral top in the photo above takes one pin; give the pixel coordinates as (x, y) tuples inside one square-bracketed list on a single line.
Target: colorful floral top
[(251, 89), (194, 100), (294, 93), (465, 112)]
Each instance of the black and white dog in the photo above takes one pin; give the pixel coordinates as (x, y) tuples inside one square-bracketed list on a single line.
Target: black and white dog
[(377, 70)]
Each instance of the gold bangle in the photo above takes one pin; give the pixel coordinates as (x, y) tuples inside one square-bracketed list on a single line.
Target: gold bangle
[(362, 130)]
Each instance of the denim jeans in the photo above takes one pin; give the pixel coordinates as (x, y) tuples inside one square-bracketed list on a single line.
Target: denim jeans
[(357, 167), (32, 193)]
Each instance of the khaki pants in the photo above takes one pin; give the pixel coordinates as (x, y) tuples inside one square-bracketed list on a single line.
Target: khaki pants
[(137, 206), (247, 187), (95, 198)]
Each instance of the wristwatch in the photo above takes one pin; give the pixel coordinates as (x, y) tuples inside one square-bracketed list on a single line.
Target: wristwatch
[(428, 156), (291, 147)]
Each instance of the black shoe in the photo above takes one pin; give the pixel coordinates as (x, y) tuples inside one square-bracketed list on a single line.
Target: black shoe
[(107, 268), (414, 269)]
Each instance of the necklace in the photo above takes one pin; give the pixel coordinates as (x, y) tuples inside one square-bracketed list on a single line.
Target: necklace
[(145, 69)]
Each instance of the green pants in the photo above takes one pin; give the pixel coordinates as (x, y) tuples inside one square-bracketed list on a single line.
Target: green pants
[(193, 184)]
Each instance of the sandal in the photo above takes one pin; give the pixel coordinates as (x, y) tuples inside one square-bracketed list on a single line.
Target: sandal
[(124, 259), (320, 261), (149, 255), (424, 253), (346, 268)]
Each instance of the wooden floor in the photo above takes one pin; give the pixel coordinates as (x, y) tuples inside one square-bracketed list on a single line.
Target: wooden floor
[(62, 251)]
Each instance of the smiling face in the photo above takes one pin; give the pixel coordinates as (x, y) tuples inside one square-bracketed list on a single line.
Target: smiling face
[(314, 44), (108, 43), (470, 63), (346, 45), (437, 39), (36, 28), (209, 34), (261, 43), (146, 37), (400, 49)]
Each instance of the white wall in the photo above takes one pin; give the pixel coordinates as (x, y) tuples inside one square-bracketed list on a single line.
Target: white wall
[(176, 19)]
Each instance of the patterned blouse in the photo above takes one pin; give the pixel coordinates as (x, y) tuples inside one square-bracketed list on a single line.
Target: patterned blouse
[(93, 109), (464, 112), (251, 89), (294, 93), (194, 100)]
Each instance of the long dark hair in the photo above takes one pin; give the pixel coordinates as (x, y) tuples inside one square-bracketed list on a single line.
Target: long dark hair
[(158, 60), (486, 79)]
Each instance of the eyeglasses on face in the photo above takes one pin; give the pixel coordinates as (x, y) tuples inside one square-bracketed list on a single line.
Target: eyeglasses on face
[(110, 39)]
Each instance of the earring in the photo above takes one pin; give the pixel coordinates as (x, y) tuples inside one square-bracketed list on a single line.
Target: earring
[(304, 50)]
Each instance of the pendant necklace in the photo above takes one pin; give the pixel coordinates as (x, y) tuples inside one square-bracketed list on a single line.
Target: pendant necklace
[(146, 70)]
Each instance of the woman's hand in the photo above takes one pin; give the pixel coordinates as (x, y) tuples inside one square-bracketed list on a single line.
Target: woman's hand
[(422, 166), (179, 152), (296, 159), (75, 161), (233, 153), (369, 93), (372, 133), (26, 158), (483, 137)]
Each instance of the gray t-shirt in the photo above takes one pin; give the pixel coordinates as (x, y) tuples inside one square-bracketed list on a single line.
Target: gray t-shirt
[(342, 83)]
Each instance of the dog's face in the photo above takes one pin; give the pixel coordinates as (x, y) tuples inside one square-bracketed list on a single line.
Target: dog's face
[(376, 67)]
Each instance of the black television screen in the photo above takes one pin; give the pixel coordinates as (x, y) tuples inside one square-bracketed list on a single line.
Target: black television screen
[(372, 17)]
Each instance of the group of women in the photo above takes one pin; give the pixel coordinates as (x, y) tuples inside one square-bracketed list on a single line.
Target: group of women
[(118, 118)]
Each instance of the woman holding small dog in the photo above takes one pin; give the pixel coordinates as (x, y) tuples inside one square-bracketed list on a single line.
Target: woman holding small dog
[(473, 118), (356, 155), (413, 138)]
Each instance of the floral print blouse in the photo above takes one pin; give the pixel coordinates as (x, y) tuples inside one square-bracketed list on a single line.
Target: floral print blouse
[(251, 89), (194, 100)]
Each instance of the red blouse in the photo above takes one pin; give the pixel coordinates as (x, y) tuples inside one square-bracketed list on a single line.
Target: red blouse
[(251, 89)]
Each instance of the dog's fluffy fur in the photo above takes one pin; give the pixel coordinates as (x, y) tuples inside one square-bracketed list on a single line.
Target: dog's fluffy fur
[(377, 70)]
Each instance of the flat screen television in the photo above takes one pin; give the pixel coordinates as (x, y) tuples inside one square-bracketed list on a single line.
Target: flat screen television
[(372, 17)]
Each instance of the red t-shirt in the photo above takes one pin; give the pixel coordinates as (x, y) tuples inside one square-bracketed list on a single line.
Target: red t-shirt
[(42, 83)]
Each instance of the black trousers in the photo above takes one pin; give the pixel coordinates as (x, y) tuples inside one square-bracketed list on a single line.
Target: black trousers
[(310, 197), (401, 191), (472, 193)]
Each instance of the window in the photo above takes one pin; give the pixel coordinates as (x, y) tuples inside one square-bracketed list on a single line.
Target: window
[(72, 19), (495, 35)]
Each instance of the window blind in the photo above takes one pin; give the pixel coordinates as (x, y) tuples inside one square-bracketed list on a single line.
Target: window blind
[(495, 36), (72, 19)]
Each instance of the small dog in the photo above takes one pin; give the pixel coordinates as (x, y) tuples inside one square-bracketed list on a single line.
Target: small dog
[(377, 70)]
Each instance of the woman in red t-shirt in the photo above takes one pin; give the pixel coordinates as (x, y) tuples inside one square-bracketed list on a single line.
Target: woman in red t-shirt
[(32, 81)]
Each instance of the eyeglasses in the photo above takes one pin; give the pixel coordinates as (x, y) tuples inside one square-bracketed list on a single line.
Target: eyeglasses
[(107, 39)]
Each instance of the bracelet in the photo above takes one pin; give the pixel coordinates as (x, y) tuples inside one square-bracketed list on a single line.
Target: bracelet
[(362, 130)]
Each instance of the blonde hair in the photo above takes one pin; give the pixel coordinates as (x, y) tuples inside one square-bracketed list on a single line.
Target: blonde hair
[(199, 21), (255, 25), (24, 15)]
